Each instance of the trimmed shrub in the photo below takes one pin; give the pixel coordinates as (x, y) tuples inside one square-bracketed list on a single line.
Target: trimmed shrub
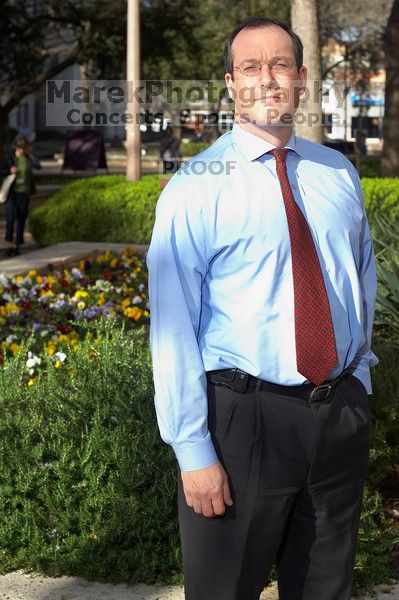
[(86, 485), (381, 196), (105, 208)]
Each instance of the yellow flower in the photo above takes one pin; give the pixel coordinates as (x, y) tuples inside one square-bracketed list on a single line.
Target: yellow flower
[(57, 364), (14, 348), (62, 339), (51, 280), (11, 308), (32, 381), (39, 279), (45, 293), (133, 312), (74, 344), (50, 348), (81, 265), (80, 294), (32, 273), (114, 262), (19, 278), (81, 305), (125, 303)]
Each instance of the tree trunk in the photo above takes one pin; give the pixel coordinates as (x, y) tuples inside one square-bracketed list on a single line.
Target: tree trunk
[(308, 119), (3, 127), (390, 155), (133, 149)]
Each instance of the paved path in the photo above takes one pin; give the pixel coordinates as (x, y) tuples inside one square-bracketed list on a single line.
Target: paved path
[(20, 586), (64, 253)]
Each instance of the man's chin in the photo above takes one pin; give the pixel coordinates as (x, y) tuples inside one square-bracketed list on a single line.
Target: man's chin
[(272, 117)]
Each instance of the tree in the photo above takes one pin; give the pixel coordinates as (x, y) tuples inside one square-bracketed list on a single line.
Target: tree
[(390, 156), (305, 23), (356, 28), (38, 40)]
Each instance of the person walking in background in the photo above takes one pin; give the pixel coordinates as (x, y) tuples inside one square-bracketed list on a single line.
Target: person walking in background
[(21, 163), (262, 288), (170, 151)]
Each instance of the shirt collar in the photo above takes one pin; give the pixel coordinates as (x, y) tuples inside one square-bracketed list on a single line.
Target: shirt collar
[(253, 146)]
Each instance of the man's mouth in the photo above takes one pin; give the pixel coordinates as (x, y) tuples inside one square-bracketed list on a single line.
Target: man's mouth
[(269, 98)]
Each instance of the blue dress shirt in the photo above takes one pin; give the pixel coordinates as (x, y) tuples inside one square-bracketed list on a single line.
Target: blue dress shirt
[(221, 287)]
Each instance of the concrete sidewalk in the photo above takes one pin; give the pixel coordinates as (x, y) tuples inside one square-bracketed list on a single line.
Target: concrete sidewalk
[(23, 586), (65, 253)]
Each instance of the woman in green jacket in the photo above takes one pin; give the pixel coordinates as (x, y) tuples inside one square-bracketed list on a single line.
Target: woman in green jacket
[(21, 164)]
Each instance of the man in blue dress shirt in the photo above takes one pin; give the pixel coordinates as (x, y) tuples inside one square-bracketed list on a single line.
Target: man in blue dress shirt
[(272, 463)]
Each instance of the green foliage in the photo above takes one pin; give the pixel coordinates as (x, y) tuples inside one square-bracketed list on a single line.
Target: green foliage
[(386, 243), (105, 208), (193, 148), (387, 305), (370, 166), (381, 197), (378, 536), (86, 485), (385, 413)]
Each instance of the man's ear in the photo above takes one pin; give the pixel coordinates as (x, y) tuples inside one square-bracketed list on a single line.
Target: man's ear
[(304, 78), (229, 84)]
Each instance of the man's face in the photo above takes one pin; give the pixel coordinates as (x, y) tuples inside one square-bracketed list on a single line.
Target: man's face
[(270, 97)]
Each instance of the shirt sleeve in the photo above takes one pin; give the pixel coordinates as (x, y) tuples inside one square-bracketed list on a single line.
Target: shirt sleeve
[(365, 358), (177, 266)]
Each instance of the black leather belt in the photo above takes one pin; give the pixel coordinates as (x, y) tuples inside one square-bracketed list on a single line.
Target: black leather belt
[(239, 381)]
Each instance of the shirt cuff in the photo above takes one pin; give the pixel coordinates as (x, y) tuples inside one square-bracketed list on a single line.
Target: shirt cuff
[(362, 372), (199, 454)]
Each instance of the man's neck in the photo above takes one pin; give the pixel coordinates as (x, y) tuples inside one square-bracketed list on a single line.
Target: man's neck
[(278, 136)]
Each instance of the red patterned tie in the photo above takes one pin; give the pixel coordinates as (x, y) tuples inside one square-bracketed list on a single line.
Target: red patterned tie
[(316, 352)]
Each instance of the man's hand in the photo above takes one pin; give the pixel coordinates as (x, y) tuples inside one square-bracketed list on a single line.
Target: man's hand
[(13, 170), (207, 490)]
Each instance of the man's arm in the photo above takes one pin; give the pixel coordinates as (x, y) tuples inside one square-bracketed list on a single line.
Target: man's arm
[(368, 281), (177, 263)]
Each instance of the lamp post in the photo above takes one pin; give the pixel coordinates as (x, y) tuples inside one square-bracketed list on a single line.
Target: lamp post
[(133, 149)]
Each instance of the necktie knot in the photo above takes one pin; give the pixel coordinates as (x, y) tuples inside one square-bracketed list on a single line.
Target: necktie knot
[(279, 154)]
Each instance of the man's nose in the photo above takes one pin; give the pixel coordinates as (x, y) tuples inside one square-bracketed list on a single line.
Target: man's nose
[(266, 74)]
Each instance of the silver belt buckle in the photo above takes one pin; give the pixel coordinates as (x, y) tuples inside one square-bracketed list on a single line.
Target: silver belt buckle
[(326, 386)]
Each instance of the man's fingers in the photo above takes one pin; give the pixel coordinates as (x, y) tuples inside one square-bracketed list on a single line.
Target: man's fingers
[(218, 506), (197, 505), (226, 494)]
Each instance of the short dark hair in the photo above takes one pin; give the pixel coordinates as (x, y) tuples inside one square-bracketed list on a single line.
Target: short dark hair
[(20, 141), (256, 23)]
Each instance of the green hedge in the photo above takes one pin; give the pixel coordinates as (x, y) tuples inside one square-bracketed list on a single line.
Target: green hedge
[(105, 208), (108, 208), (381, 196), (87, 487)]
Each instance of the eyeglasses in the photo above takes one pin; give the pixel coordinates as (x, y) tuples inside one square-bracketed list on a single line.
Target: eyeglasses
[(252, 68)]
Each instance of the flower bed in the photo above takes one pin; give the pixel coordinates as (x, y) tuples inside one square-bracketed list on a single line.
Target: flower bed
[(46, 309)]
